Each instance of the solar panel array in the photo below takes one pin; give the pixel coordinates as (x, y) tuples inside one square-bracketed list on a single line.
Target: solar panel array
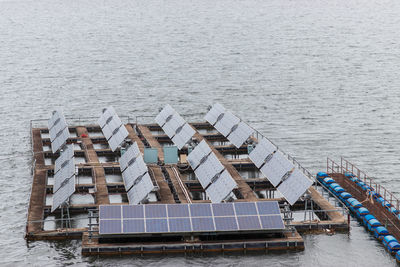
[(58, 130), (177, 129), (190, 218), (210, 172), (112, 127), (272, 163), (64, 177), (279, 170), (230, 126), (137, 181)]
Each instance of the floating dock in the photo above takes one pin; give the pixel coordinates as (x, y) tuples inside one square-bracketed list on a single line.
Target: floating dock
[(372, 204), (100, 183)]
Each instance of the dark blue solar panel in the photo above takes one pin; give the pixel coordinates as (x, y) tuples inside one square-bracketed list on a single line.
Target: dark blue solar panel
[(110, 212), (155, 211), (133, 226), (272, 222), (132, 211), (179, 225), (249, 223), (223, 209), (156, 226), (178, 210), (203, 224), (110, 227), (225, 223), (200, 210), (245, 208), (268, 207)]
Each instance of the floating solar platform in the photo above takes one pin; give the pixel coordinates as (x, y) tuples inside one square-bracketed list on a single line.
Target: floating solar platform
[(167, 210), (190, 218)]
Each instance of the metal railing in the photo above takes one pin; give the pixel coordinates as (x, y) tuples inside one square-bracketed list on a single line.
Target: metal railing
[(348, 167)]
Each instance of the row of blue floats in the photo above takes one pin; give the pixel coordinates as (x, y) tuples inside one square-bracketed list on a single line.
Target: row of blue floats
[(370, 222)]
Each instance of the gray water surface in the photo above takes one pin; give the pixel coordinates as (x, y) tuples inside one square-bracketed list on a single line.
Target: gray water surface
[(319, 78)]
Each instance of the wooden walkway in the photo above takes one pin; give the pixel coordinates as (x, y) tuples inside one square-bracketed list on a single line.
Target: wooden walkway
[(99, 174)]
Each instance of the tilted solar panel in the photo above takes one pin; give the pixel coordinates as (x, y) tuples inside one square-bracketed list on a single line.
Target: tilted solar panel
[(65, 155), (63, 193), (105, 116), (215, 111), (240, 134), (261, 151), (206, 171), (67, 171), (294, 186), (162, 117), (180, 139), (198, 153), (139, 191), (60, 140), (221, 188), (118, 137), (130, 154), (276, 168), (226, 123)]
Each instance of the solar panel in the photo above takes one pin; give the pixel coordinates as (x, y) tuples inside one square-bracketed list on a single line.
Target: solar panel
[(294, 186), (178, 210), (186, 218), (56, 124), (162, 117), (198, 153), (240, 134), (55, 115), (174, 126), (118, 137), (200, 210), (130, 154), (180, 139), (245, 208), (221, 188), (215, 111), (179, 225), (110, 212), (261, 152), (133, 172), (206, 171), (268, 207), (249, 223), (201, 224), (65, 155), (108, 129), (225, 223), (110, 227), (63, 193), (60, 139), (226, 123), (139, 191), (276, 168), (133, 211), (223, 209), (155, 211), (272, 222), (133, 226), (108, 112), (156, 225), (66, 172)]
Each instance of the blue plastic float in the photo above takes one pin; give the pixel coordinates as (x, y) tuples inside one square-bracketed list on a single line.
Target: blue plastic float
[(380, 232)]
